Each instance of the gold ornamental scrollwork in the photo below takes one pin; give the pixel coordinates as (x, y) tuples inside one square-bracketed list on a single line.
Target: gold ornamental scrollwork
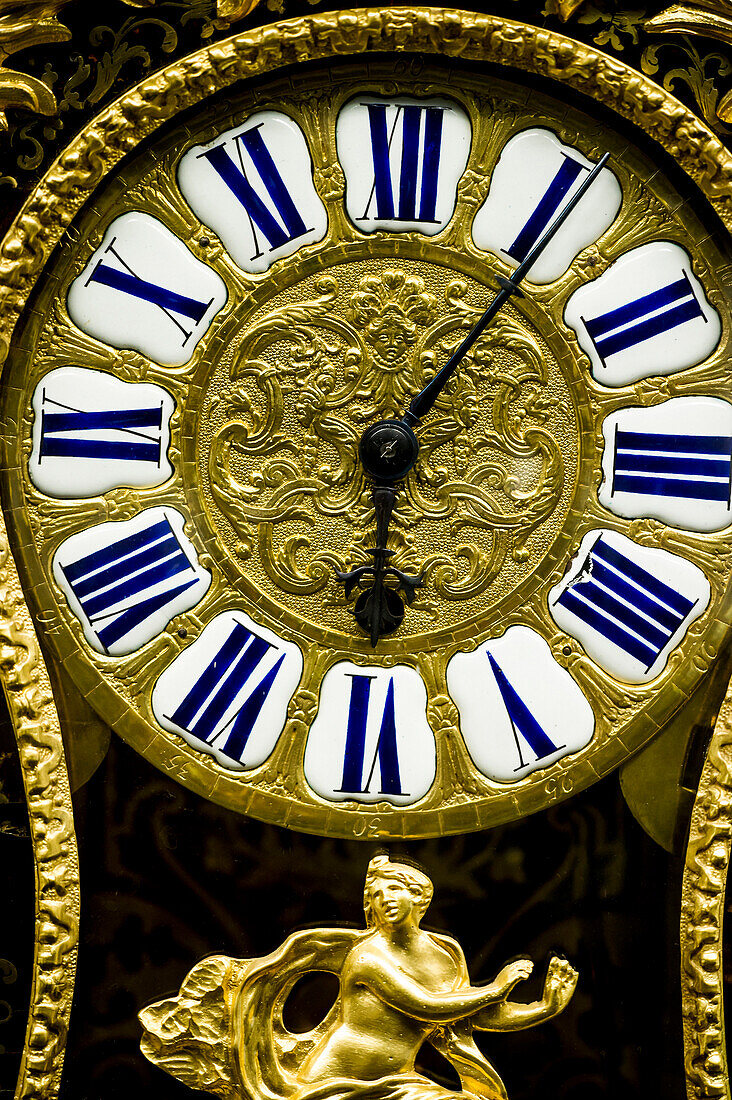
[(305, 381), (702, 919), (138, 113), (27, 23), (35, 720)]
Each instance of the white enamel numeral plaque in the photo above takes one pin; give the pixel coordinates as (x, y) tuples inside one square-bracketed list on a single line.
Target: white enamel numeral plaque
[(125, 581), (647, 314), (144, 290), (535, 178), (370, 741), (253, 185), (671, 462), (93, 432), (403, 159), (628, 605), (228, 692), (519, 710)]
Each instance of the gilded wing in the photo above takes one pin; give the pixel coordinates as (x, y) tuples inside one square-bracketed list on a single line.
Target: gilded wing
[(224, 1033)]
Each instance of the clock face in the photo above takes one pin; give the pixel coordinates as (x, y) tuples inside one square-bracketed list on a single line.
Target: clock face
[(259, 283)]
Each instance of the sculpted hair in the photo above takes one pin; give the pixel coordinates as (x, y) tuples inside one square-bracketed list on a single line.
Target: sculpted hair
[(419, 885)]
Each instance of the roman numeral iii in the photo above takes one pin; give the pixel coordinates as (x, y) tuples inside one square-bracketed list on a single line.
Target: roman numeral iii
[(92, 432), (672, 462)]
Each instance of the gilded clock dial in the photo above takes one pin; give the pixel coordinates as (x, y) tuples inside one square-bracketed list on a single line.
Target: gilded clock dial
[(256, 287)]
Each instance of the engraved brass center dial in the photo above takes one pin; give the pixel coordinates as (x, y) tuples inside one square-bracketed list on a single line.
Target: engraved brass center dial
[(290, 393)]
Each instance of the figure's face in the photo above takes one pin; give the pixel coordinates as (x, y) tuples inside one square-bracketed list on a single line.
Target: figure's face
[(391, 901)]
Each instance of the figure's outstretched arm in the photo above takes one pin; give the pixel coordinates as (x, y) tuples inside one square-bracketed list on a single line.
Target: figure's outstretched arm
[(393, 987), (560, 984)]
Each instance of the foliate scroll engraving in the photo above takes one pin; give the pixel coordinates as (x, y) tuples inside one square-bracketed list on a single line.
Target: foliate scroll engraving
[(293, 396)]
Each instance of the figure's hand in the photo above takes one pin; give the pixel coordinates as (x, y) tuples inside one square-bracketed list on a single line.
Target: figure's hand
[(560, 984), (514, 973)]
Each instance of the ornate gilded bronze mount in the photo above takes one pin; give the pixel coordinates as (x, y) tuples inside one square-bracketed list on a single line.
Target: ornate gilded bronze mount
[(400, 987)]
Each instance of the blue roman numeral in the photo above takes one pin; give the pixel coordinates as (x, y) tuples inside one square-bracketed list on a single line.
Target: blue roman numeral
[(625, 603), (421, 142), (257, 210), (230, 671), (169, 301), (545, 210), (521, 718), (638, 321), (386, 745), (692, 467), (71, 434), (106, 581)]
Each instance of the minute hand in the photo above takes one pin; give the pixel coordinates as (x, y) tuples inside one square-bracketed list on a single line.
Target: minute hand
[(423, 402)]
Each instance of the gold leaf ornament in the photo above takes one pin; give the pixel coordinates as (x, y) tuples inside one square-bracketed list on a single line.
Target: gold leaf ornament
[(26, 23), (709, 18), (706, 18), (233, 10)]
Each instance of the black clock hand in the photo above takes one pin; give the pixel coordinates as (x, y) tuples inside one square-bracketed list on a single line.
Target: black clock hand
[(389, 449), (425, 399)]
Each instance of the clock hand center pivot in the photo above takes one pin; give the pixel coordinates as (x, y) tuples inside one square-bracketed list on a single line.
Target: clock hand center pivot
[(388, 450)]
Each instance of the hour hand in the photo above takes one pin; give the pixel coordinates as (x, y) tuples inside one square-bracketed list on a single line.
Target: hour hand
[(379, 608)]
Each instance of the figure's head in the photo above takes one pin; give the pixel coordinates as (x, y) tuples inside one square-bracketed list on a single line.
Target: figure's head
[(393, 891)]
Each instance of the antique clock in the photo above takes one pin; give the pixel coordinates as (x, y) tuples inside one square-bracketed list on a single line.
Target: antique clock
[(367, 430)]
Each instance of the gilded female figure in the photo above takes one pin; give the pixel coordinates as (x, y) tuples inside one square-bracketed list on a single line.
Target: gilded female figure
[(400, 986)]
